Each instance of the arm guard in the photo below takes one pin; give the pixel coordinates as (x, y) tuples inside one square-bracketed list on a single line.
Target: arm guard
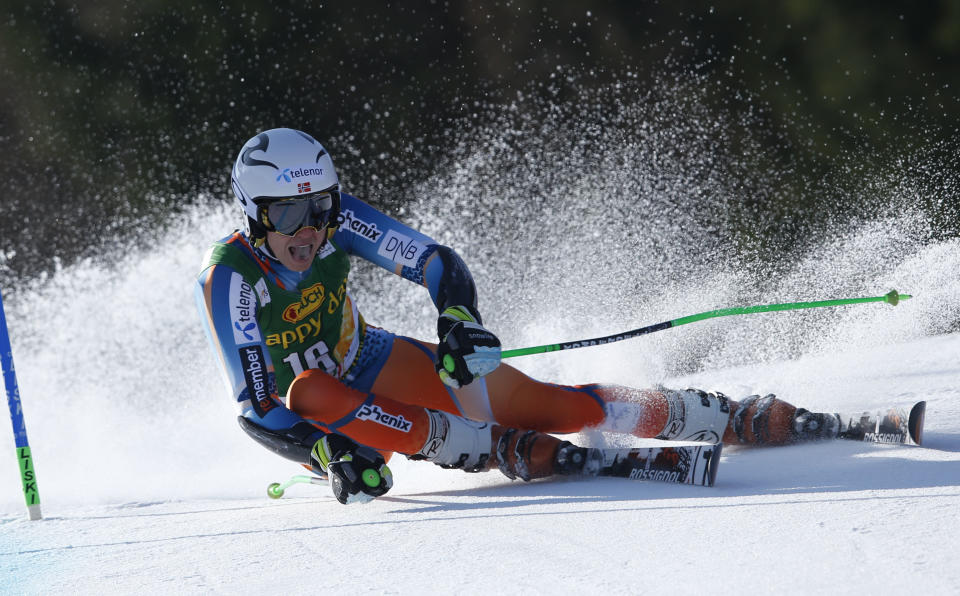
[(456, 286), (293, 443)]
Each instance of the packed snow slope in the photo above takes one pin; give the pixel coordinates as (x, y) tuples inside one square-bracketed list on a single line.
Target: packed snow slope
[(148, 485), (571, 231), (827, 518)]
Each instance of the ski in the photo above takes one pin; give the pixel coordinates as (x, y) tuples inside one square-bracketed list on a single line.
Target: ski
[(693, 464), (689, 464), (895, 425)]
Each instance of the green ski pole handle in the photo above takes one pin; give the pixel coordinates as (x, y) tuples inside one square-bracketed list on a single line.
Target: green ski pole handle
[(370, 477), (892, 297), (276, 489)]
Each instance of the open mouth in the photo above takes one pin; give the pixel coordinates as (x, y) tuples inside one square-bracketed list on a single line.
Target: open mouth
[(302, 252)]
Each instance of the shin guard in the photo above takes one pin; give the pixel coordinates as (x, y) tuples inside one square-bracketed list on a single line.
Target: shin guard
[(455, 442), (695, 415)]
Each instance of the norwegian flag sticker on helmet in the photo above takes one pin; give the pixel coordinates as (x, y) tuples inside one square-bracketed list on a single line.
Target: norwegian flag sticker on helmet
[(303, 187)]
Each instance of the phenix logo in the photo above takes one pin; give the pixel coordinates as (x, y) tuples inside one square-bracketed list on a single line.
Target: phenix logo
[(368, 231), (377, 415)]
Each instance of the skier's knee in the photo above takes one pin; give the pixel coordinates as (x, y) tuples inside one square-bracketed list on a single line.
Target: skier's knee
[(318, 396)]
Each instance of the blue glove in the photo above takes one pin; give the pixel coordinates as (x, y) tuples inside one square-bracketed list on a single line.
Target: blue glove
[(357, 473), (467, 350)]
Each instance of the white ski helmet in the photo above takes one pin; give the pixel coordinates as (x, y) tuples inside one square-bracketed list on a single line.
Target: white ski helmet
[(281, 163)]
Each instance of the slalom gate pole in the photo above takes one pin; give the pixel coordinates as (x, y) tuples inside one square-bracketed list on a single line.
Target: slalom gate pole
[(892, 298), (27, 475)]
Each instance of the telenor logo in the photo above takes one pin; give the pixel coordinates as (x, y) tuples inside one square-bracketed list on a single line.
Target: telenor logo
[(243, 302), (291, 174)]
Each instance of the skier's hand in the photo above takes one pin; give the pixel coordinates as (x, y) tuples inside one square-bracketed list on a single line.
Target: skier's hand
[(467, 350), (357, 473)]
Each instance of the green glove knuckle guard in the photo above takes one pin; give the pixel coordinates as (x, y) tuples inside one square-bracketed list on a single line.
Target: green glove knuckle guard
[(466, 350), (357, 473)]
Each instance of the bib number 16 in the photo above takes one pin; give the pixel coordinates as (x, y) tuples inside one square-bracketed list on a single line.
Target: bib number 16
[(316, 356)]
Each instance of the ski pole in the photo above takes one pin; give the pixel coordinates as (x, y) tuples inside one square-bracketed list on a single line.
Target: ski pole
[(276, 489), (27, 475), (891, 297)]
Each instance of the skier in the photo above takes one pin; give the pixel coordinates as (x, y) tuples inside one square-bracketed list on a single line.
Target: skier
[(318, 384)]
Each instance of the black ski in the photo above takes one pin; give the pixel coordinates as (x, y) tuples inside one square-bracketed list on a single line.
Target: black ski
[(895, 425), (694, 464)]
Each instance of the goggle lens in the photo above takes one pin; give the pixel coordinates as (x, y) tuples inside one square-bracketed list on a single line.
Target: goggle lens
[(288, 216)]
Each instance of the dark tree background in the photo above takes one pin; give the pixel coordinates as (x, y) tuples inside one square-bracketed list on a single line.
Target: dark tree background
[(114, 113)]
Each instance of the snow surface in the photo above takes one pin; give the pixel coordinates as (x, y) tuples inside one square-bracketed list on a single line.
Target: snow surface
[(827, 518), (148, 486)]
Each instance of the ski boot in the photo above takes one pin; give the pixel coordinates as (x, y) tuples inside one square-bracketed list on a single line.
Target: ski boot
[(528, 454), (811, 426), (457, 442)]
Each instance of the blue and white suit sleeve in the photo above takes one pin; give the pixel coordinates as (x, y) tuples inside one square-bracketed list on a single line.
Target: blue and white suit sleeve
[(375, 236), (228, 305)]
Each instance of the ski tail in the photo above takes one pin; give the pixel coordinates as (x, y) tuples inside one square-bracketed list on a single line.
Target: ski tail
[(896, 425), (693, 464), (915, 423)]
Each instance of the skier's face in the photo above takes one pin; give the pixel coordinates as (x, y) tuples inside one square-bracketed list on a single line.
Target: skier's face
[(296, 252)]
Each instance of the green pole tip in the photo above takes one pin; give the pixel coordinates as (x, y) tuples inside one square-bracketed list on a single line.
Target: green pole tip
[(274, 491), (894, 298)]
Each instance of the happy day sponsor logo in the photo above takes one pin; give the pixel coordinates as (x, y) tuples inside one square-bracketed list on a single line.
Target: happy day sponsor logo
[(375, 414), (307, 330), (310, 300), (401, 249), (312, 323), (242, 303), (368, 231)]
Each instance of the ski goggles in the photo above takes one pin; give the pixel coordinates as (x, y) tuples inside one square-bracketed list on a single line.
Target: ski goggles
[(290, 215)]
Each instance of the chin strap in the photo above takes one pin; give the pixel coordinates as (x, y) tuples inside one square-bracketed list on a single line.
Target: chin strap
[(264, 249)]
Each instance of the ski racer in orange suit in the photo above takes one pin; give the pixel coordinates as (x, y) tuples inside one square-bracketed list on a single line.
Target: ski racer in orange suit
[(318, 384)]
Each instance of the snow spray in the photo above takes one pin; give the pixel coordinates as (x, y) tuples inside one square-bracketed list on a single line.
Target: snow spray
[(577, 218)]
